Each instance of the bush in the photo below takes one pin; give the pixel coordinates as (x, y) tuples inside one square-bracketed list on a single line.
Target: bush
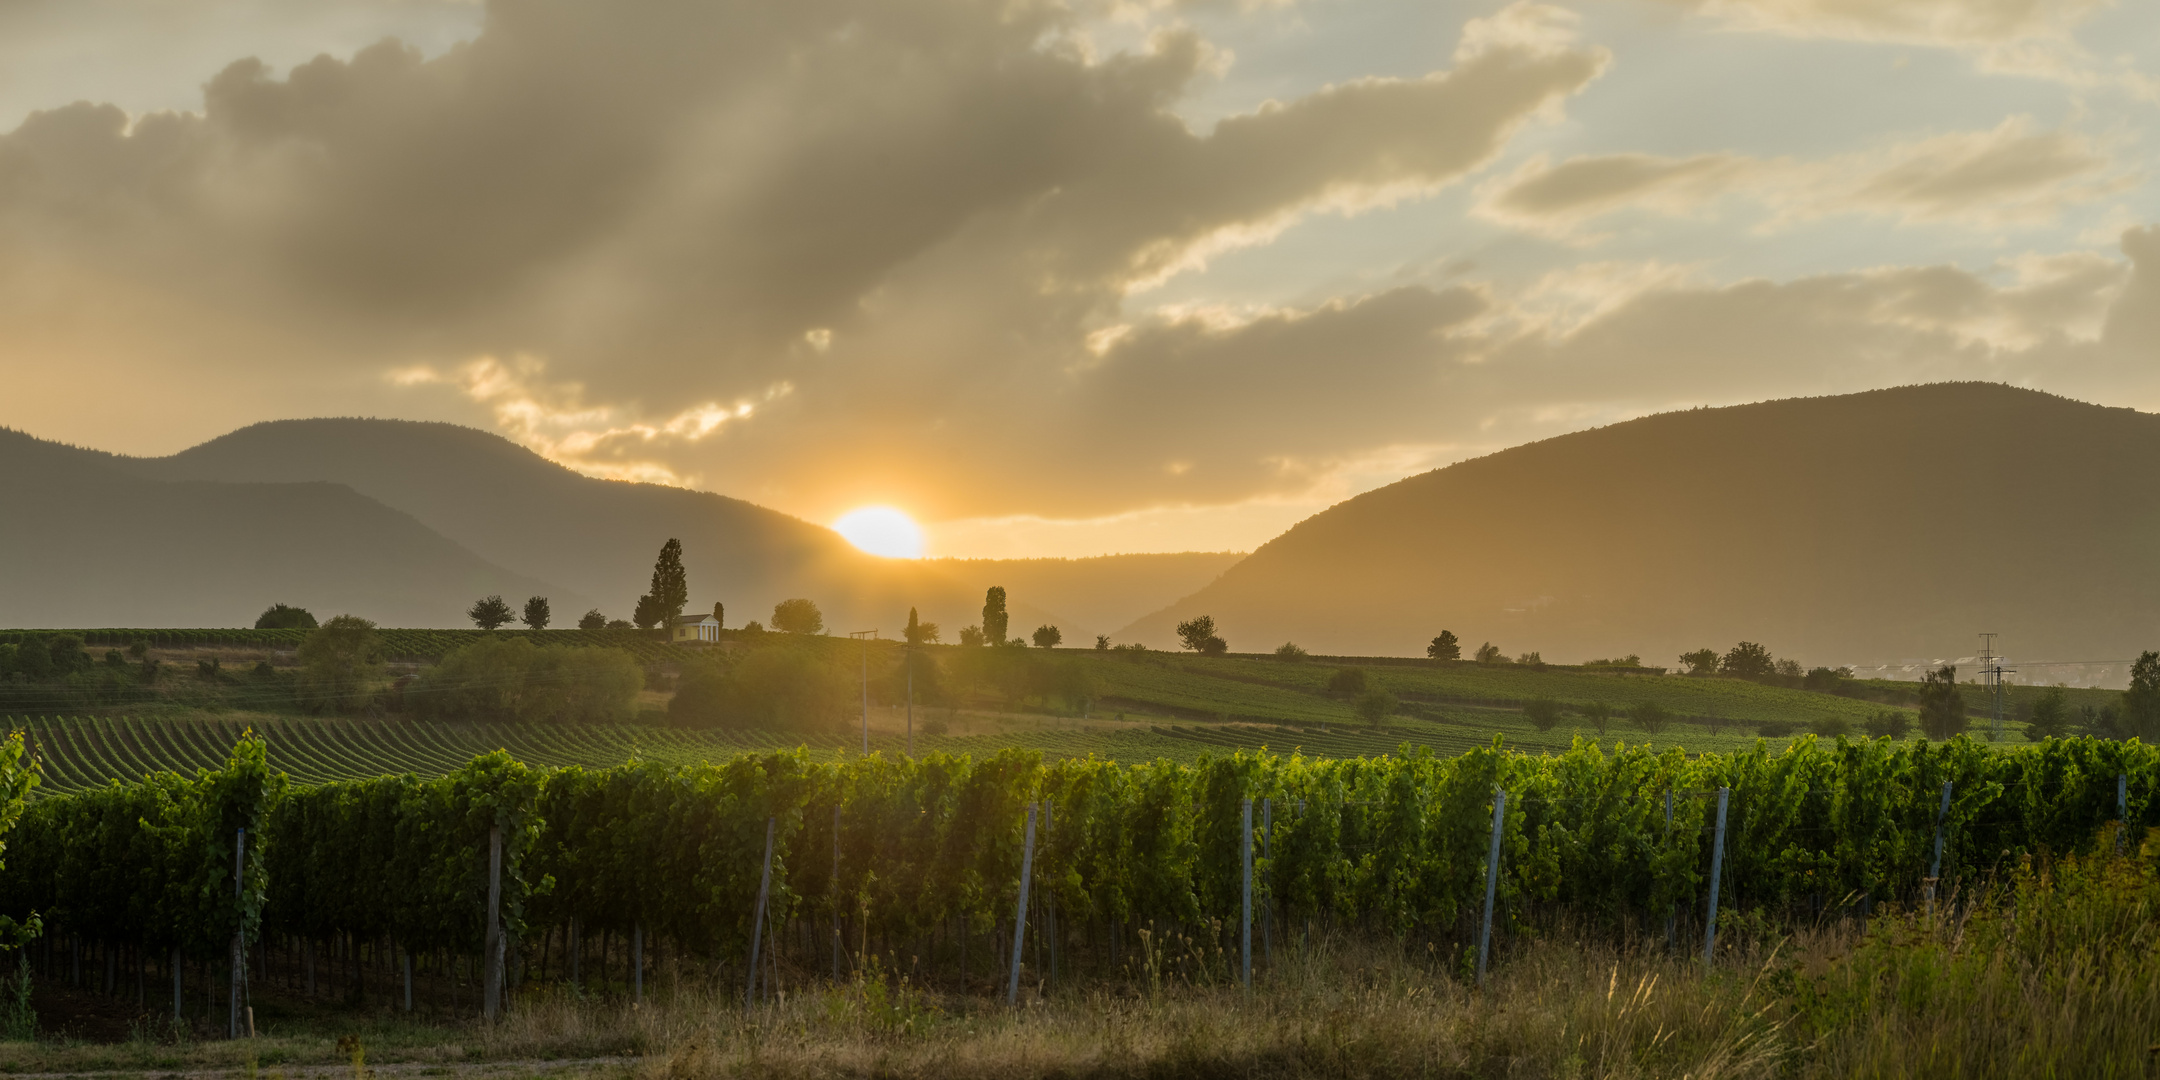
[(1831, 727), (1489, 653), (1048, 637), (1599, 715), (798, 616), (1375, 706), (1543, 713), (1347, 680), (2050, 717), (513, 679), (780, 686), (1650, 716), (283, 617), (1289, 653), (338, 662), (1776, 729), (1888, 724)]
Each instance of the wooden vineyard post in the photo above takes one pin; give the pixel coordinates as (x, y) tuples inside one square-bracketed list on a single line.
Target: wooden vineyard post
[(1492, 882), (1245, 914), (1267, 907), (1717, 867), (239, 958), (2122, 807), (637, 963), (1671, 909), (1050, 901), (491, 957), (1935, 860), (835, 891), (757, 917), (178, 995), (1027, 867), (405, 955)]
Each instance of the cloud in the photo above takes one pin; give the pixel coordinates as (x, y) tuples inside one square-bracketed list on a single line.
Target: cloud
[(599, 228), (2018, 37), (2010, 174)]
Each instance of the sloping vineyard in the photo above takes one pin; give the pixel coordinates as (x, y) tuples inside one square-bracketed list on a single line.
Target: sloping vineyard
[(780, 868), (398, 644)]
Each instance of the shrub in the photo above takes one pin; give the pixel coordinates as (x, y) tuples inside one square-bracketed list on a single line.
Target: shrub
[(1531, 659), (592, 620), (1374, 706), (1347, 680), (1599, 715), (1831, 727), (284, 617), (798, 616), (1776, 729), (1048, 637), (1543, 713), (1289, 653), (1888, 724), (1650, 716), (513, 679), (1489, 653), (337, 662), (2050, 716)]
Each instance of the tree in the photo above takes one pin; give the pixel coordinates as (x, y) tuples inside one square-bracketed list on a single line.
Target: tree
[(489, 612), (1445, 647), (1599, 714), (1888, 724), (1825, 680), (1942, 705), (648, 613), (1489, 653), (2050, 716), (719, 614), (1102, 643), (1289, 653), (338, 661), (994, 618), (1047, 637), (1196, 632), (1789, 668), (282, 617), (1347, 680), (798, 616), (592, 620), (1543, 713), (971, 636), (2139, 716), (1747, 660), (670, 586), (1531, 659), (1650, 716), (1700, 662), (920, 633), (536, 613), (1374, 706)]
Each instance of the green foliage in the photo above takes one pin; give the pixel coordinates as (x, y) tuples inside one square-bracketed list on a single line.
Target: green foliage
[(648, 612), (1746, 660), (972, 636), (1650, 716), (1700, 662), (512, 679), (780, 687), (592, 620), (1347, 680), (1889, 724), (670, 589), (339, 663), (1543, 713), (1600, 716), (1198, 634), (994, 617), (2050, 717), (1942, 704), (1445, 647), (490, 612), (1374, 706), (1490, 653), (283, 617), (1047, 637), (798, 616), (919, 632), (536, 614), (2140, 715), (1288, 652)]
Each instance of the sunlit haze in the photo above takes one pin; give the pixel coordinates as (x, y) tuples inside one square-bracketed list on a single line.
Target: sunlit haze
[(882, 530)]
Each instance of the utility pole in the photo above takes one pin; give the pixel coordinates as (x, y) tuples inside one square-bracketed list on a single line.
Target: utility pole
[(1992, 670), (866, 637)]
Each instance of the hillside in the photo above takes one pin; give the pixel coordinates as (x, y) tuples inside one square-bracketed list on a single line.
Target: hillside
[(583, 542), (1884, 525), (90, 542)]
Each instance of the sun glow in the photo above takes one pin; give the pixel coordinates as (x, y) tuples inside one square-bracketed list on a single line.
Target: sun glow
[(882, 530)]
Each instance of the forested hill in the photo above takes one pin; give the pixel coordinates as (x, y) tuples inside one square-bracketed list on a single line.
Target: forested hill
[(1885, 525), (539, 528), (88, 541)]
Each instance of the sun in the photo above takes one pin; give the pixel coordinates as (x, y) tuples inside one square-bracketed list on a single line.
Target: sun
[(882, 530)]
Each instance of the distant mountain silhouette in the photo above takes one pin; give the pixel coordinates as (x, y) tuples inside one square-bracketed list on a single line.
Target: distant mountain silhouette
[(1886, 525), (90, 542), (408, 522)]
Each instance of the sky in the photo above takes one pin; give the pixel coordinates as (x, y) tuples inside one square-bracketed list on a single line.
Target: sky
[(1059, 278)]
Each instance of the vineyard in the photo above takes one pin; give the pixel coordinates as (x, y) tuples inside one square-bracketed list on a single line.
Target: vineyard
[(770, 870), (82, 752), (398, 644)]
